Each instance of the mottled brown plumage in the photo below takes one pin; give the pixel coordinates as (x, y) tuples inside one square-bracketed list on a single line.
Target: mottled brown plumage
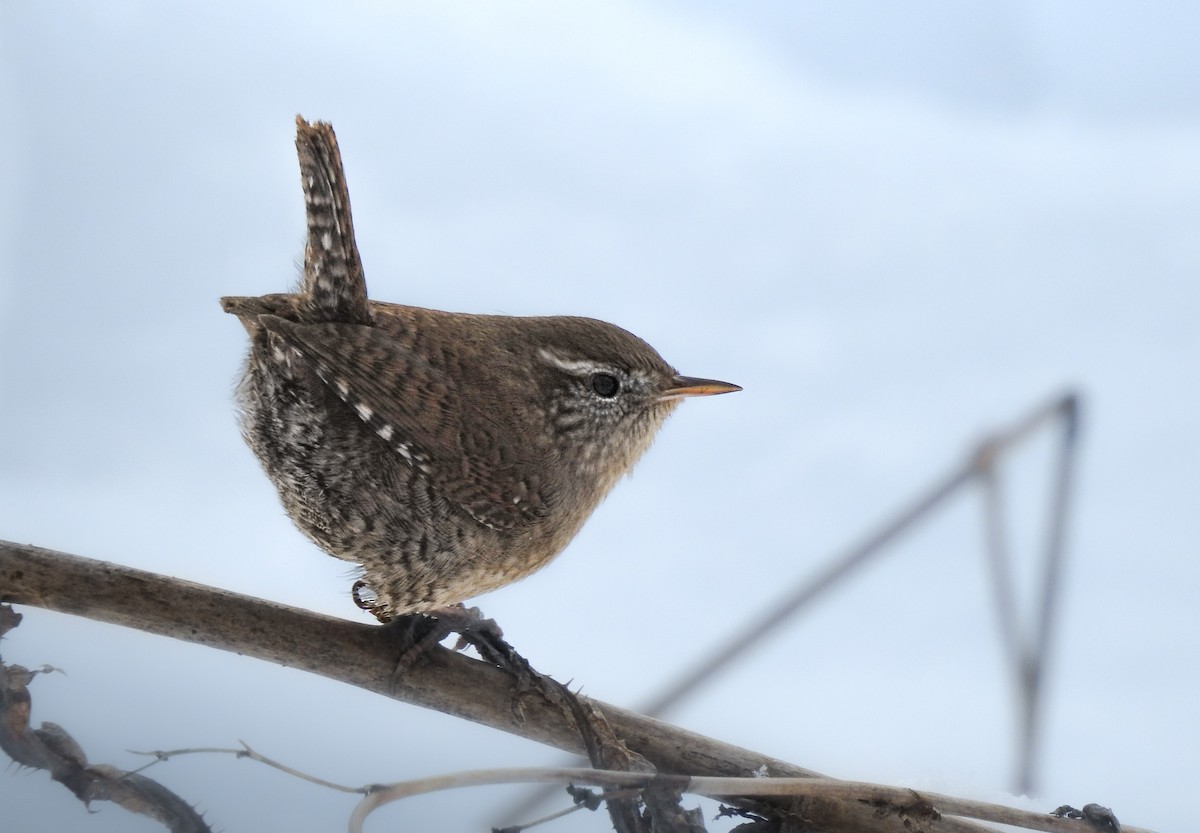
[(448, 454)]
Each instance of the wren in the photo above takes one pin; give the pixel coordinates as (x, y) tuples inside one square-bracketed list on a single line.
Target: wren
[(448, 454)]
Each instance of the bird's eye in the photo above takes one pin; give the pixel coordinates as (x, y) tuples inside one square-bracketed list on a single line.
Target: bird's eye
[(605, 384)]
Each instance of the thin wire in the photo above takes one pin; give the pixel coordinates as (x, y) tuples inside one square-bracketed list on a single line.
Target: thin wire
[(980, 460), (1004, 594), (1032, 670), (1027, 651)]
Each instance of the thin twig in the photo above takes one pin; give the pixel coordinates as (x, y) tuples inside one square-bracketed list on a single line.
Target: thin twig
[(898, 800), (162, 756)]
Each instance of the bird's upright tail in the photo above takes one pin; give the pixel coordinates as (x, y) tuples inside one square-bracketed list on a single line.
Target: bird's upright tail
[(333, 286)]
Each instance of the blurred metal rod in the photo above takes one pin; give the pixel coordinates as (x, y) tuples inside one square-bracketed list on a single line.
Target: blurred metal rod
[(981, 459), (1036, 651)]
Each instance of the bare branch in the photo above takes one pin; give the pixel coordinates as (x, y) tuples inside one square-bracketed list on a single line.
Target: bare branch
[(366, 656)]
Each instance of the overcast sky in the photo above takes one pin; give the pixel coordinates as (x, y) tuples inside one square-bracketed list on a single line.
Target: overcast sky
[(895, 226)]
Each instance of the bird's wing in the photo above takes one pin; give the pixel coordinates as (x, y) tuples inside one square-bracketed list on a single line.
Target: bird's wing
[(479, 458)]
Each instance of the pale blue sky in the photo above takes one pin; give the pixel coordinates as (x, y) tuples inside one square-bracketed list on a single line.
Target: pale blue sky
[(895, 229)]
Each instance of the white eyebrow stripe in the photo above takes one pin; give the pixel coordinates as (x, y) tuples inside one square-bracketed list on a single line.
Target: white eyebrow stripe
[(577, 367)]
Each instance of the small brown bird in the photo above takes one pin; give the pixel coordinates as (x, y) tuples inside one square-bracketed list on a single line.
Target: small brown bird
[(448, 454)]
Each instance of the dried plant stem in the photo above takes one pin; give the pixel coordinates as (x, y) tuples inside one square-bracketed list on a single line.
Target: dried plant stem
[(366, 655)]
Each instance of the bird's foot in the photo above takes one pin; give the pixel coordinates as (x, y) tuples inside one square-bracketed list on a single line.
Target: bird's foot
[(422, 633), (429, 628), (469, 624)]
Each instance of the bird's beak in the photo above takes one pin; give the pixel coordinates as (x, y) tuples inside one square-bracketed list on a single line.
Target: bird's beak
[(691, 386)]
